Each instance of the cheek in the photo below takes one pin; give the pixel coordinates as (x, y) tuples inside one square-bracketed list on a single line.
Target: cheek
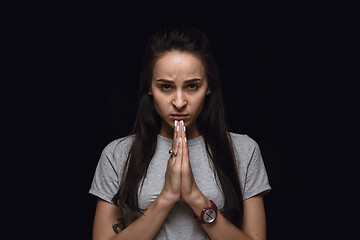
[(161, 105), (197, 104)]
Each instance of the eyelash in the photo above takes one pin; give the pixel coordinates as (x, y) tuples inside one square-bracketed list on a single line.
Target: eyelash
[(167, 87)]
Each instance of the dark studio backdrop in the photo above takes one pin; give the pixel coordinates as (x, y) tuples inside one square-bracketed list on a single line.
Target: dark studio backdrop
[(264, 60)]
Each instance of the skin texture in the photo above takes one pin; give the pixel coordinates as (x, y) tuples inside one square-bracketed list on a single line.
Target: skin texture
[(173, 93)]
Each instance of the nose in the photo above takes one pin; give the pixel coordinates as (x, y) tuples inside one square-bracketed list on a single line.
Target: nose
[(179, 101)]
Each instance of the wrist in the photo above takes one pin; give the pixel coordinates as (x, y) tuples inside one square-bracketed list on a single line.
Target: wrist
[(198, 203), (167, 200)]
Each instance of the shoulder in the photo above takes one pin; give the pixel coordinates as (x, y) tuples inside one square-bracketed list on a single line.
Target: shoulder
[(243, 143), (118, 147), (246, 150)]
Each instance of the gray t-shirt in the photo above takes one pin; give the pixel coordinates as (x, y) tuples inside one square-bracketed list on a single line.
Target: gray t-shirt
[(179, 223)]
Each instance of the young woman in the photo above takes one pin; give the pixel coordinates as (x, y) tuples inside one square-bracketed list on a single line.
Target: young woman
[(181, 174)]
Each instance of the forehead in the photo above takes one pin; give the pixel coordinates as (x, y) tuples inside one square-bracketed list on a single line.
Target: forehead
[(178, 65)]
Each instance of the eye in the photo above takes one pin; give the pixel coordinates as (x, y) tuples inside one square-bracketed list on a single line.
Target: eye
[(193, 86), (165, 87)]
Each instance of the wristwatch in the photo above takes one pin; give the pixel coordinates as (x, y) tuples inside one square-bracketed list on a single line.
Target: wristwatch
[(208, 214)]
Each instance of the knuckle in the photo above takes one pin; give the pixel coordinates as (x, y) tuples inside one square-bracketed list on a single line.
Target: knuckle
[(175, 170)]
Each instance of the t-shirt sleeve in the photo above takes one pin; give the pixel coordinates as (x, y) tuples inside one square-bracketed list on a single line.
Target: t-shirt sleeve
[(105, 183), (256, 179)]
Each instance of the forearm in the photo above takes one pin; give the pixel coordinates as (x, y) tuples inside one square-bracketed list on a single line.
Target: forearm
[(148, 224), (222, 228)]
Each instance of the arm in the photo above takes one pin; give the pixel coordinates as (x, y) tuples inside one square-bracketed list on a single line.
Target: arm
[(148, 224), (108, 219), (253, 224)]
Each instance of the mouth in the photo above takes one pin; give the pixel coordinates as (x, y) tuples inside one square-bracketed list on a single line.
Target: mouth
[(179, 117)]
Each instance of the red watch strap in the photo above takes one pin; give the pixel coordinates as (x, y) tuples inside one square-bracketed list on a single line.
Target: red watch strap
[(200, 219)]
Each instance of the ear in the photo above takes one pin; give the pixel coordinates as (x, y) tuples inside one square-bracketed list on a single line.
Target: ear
[(150, 91), (208, 92)]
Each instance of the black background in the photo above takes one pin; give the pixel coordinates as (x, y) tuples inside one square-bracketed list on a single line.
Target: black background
[(264, 55)]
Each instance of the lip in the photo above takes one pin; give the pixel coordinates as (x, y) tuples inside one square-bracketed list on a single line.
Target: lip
[(179, 117)]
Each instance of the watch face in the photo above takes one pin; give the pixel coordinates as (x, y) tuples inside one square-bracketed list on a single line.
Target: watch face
[(209, 216)]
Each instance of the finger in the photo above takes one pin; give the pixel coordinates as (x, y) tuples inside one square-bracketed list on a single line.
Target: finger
[(185, 152), (176, 123), (185, 146), (180, 143), (177, 139), (175, 144), (184, 133)]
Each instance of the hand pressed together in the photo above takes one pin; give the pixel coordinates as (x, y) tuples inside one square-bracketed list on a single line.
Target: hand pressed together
[(179, 179)]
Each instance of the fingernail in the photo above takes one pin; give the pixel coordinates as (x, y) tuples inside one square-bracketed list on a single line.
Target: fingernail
[(184, 129), (182, 122), (179, 140), (175, 123), (177, 129), (185, 139)]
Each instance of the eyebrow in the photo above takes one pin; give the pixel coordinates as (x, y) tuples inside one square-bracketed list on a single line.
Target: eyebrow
[(187, 81)]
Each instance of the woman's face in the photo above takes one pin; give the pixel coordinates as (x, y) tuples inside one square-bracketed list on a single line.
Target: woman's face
[(179, 86)]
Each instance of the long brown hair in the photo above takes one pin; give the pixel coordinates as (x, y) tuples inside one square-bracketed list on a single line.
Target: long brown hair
[(211, 123)]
